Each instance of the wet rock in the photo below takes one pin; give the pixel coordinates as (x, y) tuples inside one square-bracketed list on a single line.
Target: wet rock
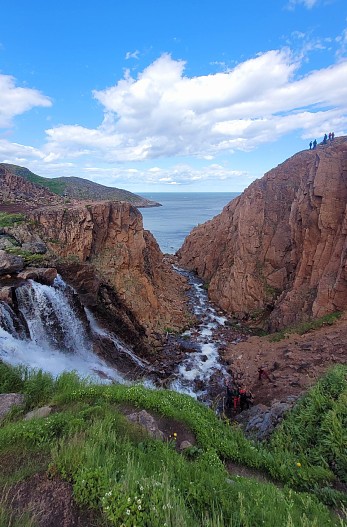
[(43, 275), (8, 401), (6, 294)]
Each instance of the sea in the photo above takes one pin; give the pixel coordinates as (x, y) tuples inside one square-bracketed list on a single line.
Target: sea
[(180, 213)]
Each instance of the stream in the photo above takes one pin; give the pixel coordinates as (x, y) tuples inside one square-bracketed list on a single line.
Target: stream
[(49, 331)]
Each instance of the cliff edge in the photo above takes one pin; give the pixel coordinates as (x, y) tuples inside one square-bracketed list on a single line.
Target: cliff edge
[(278, 251)]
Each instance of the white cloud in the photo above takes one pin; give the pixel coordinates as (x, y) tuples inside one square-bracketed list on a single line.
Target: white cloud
[(307, 3), (132, 55), (163, 113), (16, 100), (179, 174)]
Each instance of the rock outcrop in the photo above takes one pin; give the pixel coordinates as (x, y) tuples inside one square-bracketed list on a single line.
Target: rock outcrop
[(25, 195), (110, 237), (279, 250)]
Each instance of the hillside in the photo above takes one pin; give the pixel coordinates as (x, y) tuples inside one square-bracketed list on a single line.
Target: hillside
[(79, 188), (77, 454), (277, 253)]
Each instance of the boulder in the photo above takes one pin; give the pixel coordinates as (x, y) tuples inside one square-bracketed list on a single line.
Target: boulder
[(260, 421), (146, 421), (185, 444), (10, 263), (44, 411), (34, 247), (8, 401), (5, 243), (39, 274)]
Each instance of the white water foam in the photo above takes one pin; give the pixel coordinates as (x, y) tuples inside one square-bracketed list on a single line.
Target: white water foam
[(45, 307), (205, 362)]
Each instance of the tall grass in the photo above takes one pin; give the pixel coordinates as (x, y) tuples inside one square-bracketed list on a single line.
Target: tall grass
[(316, 430), (117, 469)]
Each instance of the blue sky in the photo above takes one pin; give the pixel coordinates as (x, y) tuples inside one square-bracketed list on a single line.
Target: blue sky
[(170, 95)]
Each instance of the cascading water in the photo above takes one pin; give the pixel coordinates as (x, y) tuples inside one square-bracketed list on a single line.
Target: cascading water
[(50, 334), (57, 338), (201, 368)]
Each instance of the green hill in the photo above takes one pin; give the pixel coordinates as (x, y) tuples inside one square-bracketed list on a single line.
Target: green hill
[(79, 188)]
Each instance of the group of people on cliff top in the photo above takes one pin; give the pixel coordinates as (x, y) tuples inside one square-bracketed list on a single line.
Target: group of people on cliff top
[(326, 138)]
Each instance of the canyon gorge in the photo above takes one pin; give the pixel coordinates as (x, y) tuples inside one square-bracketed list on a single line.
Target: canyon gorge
[(274, 257)]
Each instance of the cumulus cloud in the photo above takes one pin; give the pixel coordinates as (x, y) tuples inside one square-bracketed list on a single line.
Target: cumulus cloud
[(15, 100), (164, 113), (179, 174)]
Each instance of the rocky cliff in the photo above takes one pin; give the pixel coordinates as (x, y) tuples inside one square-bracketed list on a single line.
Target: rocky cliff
[(21, 194), (110, 237), (279, 250)]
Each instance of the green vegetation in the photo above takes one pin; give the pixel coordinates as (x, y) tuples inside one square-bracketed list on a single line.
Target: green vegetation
[(8, 220), (305, 327), (131, 479), (76, 188), (54, 185), (316, 430), (28, 257)]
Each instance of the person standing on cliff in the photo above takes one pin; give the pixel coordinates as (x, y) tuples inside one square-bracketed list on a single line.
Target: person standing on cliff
[(314, 144), (310, 145)]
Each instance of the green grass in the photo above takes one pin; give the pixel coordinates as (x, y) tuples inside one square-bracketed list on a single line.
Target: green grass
[(8, 220), (53, 185), (28, 257), (116, 469), (316, 430), (305, 327)]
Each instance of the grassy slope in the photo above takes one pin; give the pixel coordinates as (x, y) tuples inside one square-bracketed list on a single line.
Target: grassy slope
[(54, 185), (132, 479), (77, 188)]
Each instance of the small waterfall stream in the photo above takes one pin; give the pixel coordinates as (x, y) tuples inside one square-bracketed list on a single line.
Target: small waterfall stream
[(52, 334), (201, 368), (55, 338)]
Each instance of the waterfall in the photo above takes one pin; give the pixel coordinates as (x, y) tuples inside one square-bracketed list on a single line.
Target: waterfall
[(53, 332), (119, 345), (57, 339), (51, 319)]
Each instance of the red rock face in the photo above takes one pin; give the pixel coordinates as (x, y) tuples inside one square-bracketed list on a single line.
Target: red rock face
[(110, 236), (22, 194), (281, 246)]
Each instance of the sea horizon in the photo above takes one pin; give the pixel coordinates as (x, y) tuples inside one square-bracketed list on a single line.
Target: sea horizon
[(180, 212)]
